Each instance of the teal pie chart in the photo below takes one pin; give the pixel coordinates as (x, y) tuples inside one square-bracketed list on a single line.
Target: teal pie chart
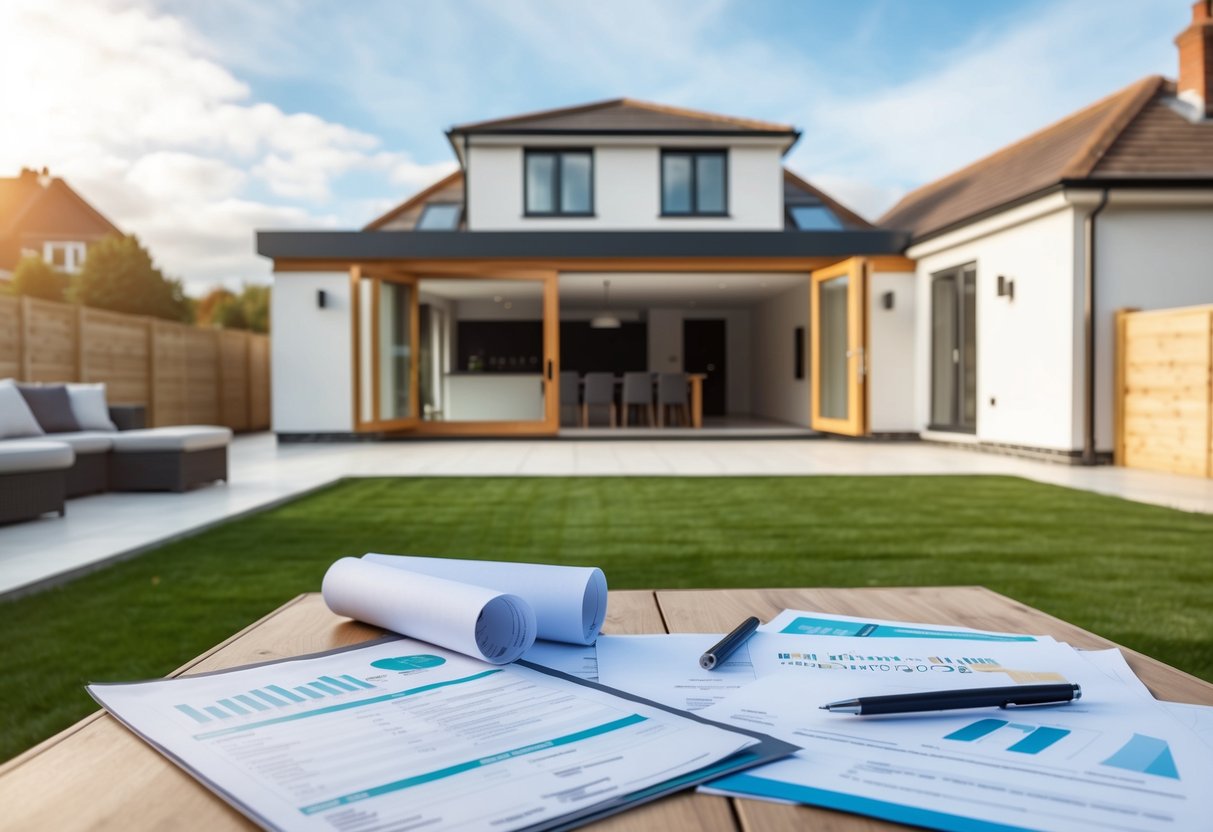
[(418, 662)]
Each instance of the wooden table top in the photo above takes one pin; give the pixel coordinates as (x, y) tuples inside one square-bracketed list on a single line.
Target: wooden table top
[(98, 775)]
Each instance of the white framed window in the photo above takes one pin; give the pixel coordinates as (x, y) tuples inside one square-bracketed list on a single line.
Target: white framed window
[(67, 256)]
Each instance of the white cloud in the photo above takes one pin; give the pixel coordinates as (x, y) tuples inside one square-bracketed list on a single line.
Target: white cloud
[(132, 108)]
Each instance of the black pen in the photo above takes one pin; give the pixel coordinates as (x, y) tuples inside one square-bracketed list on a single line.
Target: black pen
[(946, 700), (728, 645)]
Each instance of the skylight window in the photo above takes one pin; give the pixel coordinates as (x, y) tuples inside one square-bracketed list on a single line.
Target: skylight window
[(814, 218), (439, 216)]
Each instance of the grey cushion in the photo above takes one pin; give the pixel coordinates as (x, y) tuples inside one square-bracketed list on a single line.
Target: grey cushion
[(82, 442), (51, 407), (89, 408), (16, 419), (181, 438), (34, 455)]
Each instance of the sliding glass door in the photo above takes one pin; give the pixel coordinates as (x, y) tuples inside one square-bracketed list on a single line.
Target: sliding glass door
[(386, 335), (954, 350)]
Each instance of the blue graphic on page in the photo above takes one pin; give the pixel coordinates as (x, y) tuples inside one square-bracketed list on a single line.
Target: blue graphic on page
[(804, 626), (1146, 755), (1010, 736), (274, 696)]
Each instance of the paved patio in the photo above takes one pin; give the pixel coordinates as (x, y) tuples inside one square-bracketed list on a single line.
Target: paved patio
[(104, 527)]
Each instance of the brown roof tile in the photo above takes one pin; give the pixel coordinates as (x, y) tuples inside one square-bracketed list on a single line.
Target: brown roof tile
[(624, 114), (1134, 133)]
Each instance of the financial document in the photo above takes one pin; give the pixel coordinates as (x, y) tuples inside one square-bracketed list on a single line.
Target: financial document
[(665, 668), (399, 734), (1115, 759), (805, 623)]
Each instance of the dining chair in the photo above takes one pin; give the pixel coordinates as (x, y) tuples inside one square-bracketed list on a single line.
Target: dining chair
[(672, 398), (599, 392), (638, 392), (570, 398)]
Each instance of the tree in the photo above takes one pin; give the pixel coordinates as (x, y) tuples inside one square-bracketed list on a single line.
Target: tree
[(207, 305), (249, 310), (38, 279), (119, 275)]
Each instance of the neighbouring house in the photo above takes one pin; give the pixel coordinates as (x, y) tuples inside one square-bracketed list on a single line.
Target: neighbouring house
[(1024, 257), (623, 235), (611, 237), (41, 216)]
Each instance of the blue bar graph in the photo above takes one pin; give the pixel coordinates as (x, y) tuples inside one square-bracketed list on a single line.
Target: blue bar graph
[(1146, 755), (276, 696), (1038, 740), (976, 730)]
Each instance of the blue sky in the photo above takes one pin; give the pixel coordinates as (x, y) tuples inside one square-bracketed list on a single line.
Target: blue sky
[(193, 123)]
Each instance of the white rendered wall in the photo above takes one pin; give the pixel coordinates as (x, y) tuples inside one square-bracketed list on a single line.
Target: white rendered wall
[(627, 190), (665, 349), (891, 394), (1027, 367), (311, 380), (1148, 258), (776, 393)]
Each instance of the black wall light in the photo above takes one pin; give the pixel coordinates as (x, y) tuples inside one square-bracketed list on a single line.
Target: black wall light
[(886, 300), (1006, 287), (322, 298)]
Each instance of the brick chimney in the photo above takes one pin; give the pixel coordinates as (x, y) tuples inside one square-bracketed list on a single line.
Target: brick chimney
[(1196, 58)]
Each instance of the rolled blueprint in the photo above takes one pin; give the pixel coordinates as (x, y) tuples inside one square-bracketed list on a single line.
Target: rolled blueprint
[(570, 602), (483, 623)]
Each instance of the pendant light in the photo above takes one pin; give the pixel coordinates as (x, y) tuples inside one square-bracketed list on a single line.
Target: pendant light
[(606, 320)]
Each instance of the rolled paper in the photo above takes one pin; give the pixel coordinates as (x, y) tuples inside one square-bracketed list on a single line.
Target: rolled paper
[(483, 623), (570, 602)]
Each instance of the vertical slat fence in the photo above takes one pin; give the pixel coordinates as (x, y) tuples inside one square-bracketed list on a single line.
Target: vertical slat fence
[(182, 374)]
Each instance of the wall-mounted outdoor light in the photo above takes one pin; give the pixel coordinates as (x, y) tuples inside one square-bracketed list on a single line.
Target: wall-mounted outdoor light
[(1006, 287), (886, 300), (322, 298)]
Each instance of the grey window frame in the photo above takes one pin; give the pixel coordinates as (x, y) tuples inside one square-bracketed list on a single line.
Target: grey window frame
[(693, 153), (558, 172)]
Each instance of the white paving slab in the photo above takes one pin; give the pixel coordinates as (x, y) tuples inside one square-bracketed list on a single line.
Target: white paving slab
[(104, 527)]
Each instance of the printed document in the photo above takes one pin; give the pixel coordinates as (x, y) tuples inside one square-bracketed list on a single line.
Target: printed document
[(665, 668), (1113, 760), (398, 734)]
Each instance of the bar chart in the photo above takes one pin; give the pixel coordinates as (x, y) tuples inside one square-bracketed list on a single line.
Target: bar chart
[(1015, 737), (271, 697)]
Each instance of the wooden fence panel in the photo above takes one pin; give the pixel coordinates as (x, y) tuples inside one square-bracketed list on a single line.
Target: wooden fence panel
[(201, 376), (1165, 385), (10, 337), (116, 349), (49, 332), (169, 403), (233, 380), (259, 382)]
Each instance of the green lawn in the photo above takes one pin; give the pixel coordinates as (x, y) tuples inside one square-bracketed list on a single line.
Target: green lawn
[(1138, 574)]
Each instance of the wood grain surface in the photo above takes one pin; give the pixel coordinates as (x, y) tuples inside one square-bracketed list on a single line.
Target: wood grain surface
[(97, 775)]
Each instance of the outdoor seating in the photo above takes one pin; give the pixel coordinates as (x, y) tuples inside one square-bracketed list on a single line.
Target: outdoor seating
[(599, 393), (32, 479), (169, 459), (638, 392)]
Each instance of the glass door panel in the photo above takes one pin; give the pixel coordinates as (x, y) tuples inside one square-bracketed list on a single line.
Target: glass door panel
[(385, 339), (954, 350), (395, 351), (834, 350), (838, 339)]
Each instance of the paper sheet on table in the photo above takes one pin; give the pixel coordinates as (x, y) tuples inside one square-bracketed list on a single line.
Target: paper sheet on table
[(665, 668), (803, 622), (580, 660), (1117, 762), (570, 602), (397, 734), (483, 623)]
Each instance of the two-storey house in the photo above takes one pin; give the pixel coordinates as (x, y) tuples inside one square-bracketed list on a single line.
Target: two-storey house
[(611, 237)]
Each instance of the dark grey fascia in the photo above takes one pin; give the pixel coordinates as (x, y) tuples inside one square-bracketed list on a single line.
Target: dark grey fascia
[(431, 245)]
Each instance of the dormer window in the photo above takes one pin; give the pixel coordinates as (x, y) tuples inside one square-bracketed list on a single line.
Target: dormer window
[(814, 217), (439, 216), (64, 256), (694, 183), (559, 183)]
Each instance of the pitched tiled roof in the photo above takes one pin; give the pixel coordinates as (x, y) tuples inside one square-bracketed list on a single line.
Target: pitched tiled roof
[(448, 189), (796, 189), (624, 115), (1137, 133)]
